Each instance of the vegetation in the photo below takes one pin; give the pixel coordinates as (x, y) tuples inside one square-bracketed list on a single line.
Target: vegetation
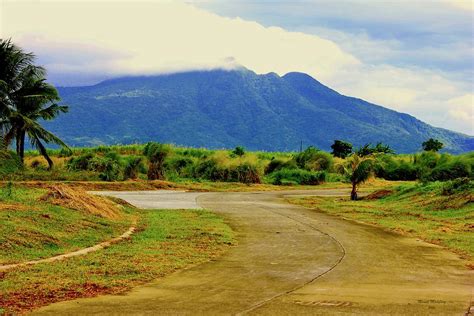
[(432, 145), (341, 149), (358, 169), (437, 212), (181, 164), (25, 100), (36, 225), (166, 240)]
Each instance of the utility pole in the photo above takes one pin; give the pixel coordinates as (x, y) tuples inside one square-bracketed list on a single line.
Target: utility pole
[(301, 146)]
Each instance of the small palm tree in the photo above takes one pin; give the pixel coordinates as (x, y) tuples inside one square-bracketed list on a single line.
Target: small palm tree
[(358, 169)]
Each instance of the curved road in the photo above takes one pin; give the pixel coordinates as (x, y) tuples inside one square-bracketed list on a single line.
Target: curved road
[(291, 260)]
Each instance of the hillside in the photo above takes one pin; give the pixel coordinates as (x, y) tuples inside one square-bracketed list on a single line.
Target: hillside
[(223, 109)]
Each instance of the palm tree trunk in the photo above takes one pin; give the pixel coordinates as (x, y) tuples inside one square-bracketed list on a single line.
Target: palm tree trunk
[(22, 145), (354, 192), (18, 144), (44, 153)]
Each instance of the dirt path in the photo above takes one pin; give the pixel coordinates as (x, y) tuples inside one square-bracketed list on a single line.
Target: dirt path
[(291, 260)]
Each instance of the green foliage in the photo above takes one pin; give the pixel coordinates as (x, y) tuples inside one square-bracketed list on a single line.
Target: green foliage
[(432, 145), (277, 164), (297, 176), (379, 148), (453, 169), (108, 166), (247, 173), (239, 151), (26, 99), (341, 149), (133, 166), (314, 159), (457, 186), (156, 154), (9, 163), (389, 168), (80, 163)]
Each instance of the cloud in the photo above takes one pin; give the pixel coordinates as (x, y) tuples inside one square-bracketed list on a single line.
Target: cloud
[(161, 37)]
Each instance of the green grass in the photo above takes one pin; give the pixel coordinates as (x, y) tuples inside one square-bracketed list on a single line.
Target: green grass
[(166, 240), (413, 209), (32, 229)]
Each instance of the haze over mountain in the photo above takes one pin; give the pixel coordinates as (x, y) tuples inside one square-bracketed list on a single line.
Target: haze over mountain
[(226, 108)]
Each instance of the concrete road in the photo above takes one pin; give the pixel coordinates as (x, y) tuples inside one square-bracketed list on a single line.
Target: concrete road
[(291, 260)]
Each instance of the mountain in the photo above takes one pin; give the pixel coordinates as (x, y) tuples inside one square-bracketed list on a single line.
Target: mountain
[(226, 108)]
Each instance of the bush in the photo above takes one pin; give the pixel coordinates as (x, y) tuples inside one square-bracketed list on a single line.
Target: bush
[(109, 166), (239, 151), (390, 169), (133, 166), (278, 164), (298, 176), (247, 173), (179, 165), (457, 186), (458, 168), (314, 159), (9, 163), (80, 163), (156, 154)]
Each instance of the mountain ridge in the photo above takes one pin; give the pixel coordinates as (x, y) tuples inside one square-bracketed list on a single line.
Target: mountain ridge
[(226, 108)]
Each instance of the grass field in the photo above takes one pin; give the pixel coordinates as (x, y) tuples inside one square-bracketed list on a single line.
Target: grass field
[(423, 211), (55, 219), (31, 228)]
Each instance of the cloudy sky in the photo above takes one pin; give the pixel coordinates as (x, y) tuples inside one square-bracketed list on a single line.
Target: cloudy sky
[(414, 56)]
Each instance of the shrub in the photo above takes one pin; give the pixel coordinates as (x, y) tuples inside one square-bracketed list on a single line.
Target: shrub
[(247, 173), (109, 166), (390, 169), (9, 163), (156, 154), (299, 176), (178, 164), (278, 164), (209, 169), (239, 151), (457, 186), (314, 159), (458, 168), (80, 163), (133, 166)]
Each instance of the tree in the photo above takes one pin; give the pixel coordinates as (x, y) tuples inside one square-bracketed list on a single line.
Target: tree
[(383, 149), (238, 151), (25, 99), (341, 149), (156, 154), (358, 169), (368, 149), (13, 61), (432, 145)]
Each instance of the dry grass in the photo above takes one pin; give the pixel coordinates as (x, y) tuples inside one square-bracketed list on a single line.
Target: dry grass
[(78, 199)]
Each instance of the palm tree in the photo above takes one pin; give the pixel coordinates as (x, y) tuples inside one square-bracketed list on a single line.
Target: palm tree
[(13, 60), (358, 169), (26, 98)]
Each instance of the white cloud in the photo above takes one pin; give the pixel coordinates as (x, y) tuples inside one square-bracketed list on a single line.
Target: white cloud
[(164, 37)]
